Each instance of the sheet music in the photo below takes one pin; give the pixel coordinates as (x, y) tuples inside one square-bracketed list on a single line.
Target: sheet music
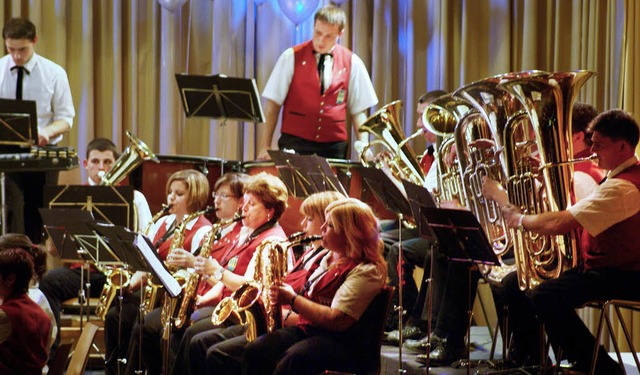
[(166, 278)]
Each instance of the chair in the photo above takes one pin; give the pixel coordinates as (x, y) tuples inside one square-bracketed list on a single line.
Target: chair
[(80, 355), (604, 307), (59, 362), (370, 328)]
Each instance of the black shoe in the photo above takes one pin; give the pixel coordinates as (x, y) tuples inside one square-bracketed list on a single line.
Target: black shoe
[(420, 345), (409, 332), (443, 355)]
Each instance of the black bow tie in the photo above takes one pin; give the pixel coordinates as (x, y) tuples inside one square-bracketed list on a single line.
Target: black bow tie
[(20, 68)]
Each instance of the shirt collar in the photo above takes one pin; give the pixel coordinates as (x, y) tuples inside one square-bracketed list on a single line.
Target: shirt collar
[(626, 164), (30, 65)]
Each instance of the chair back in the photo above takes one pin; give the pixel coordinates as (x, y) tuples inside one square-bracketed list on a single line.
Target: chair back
[(59, 362), (80, 355)]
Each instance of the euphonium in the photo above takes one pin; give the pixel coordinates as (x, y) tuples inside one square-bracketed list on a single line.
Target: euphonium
[(398, 156), (249, 304), (441, 117), (191, 285), (487, 121), (133, 155), (548, 100), (169, 306)]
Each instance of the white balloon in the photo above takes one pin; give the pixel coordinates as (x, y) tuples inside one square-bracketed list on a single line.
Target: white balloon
[(172, 5), (338, 2)]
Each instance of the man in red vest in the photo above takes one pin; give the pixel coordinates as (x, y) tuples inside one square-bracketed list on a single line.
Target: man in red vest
[(317, 83)]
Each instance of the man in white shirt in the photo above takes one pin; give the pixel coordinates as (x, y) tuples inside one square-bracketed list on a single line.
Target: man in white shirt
[(24, 75), (317, 83)]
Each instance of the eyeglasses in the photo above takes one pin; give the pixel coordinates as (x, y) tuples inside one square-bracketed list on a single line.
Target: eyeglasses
[(222, 196)]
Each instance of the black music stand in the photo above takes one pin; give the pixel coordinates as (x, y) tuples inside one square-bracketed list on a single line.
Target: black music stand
[(461, 234), (291, 172), (18, 133), (110, 204), (321, 174), (389, 193)]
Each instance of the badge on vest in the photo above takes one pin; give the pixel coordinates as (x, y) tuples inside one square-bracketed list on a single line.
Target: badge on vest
[(233, 262), (341, 95)]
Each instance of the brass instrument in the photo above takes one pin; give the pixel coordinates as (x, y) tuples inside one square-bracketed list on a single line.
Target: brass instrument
[(249, 304), (398, 156), (152, 290), (548, 100), (117, 278), (133, 155), (486, 121), (191, 285), (181, 275), (441, 117)]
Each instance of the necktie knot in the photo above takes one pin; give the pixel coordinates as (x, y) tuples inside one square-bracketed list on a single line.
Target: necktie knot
[(20, 69)]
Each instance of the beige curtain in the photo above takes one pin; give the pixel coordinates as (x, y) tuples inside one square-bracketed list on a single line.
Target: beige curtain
[(121, 57)]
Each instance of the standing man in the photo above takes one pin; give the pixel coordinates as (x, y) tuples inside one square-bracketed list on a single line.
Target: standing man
[(318, 82), (24, 75)]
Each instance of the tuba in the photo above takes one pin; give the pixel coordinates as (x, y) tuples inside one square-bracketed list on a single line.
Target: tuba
[(441, 117), (133, 155), (249, 304), (191, 285), (398, 156), (547, 99), (169, 305)]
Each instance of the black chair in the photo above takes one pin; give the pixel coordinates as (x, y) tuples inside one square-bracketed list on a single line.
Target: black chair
[(369, 329)]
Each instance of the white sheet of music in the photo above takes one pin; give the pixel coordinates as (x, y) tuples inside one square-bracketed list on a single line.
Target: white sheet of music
[(166, 278)]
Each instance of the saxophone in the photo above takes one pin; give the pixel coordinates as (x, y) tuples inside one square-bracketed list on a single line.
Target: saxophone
[(271, 269), (181, 275), (118, 277), (191, 286), (151, 290)]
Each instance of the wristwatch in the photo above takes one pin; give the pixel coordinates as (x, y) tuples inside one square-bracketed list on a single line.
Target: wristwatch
[(218, 274)]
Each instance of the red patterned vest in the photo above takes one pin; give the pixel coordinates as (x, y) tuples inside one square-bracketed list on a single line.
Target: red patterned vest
[(308, 114), (163, 249), (618, 245), (217, 251)]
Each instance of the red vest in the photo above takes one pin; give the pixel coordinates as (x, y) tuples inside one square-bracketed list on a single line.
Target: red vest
[(217, 251), (308, 114), (27, 349), (618, 245), (163, 249), (327, 286)]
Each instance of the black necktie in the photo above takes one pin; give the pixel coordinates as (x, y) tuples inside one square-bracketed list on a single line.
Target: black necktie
[(321, 70), (21, 70)]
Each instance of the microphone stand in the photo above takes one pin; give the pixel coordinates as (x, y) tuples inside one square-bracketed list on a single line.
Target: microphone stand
[(400, 307)]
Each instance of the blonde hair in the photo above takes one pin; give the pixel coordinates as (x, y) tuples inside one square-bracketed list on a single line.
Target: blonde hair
[(358, 224), (197, 188), (270, 190), (315, 204), (332, 15)]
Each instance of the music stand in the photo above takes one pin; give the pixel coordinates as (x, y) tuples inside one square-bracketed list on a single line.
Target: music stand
[(18, 131), (291, 173), (321, 174), (465, 240)]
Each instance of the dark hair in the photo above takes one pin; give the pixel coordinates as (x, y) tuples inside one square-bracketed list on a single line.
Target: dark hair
[(581, 117), (332, 15), (37, 252), (19, 263), (102, 144), (236, 182), (617, 125), (19, 28), (431, 96)]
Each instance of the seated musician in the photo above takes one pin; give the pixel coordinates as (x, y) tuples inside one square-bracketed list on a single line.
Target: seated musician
[(340, 291), (265, 199), (609, 268), (221, 348), (63, 283), (187, 195), (24, 326), (227, 202)]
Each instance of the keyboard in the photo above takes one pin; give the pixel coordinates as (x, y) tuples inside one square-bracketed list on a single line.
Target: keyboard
[(50, 158)]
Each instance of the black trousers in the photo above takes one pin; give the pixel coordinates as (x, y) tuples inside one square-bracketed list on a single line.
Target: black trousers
[(331, 150), (217, 351), (118, 329)]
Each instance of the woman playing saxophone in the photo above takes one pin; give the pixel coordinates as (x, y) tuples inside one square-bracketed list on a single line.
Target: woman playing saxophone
[(187, 193)]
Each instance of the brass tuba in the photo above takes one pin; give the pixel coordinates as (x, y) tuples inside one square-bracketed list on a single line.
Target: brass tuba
[(548, 100), (190, 288), (133, 155), (398, 156), (441, 117)]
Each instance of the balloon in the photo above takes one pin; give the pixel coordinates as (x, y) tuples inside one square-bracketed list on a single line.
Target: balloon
[(338, 2), (172, 5), (298, 10), (258, 2)]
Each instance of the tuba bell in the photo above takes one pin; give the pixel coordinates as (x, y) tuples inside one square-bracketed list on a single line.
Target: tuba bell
[(133, 155), (547, 99)]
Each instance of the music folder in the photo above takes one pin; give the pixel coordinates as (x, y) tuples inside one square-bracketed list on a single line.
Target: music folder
[(460, 233), (386, 190), (219, 96), (137, 251)]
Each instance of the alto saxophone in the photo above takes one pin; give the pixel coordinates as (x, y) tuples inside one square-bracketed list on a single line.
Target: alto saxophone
[(181, 275), (271, 269), (118, 277), (191, 286), (151, 290)]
